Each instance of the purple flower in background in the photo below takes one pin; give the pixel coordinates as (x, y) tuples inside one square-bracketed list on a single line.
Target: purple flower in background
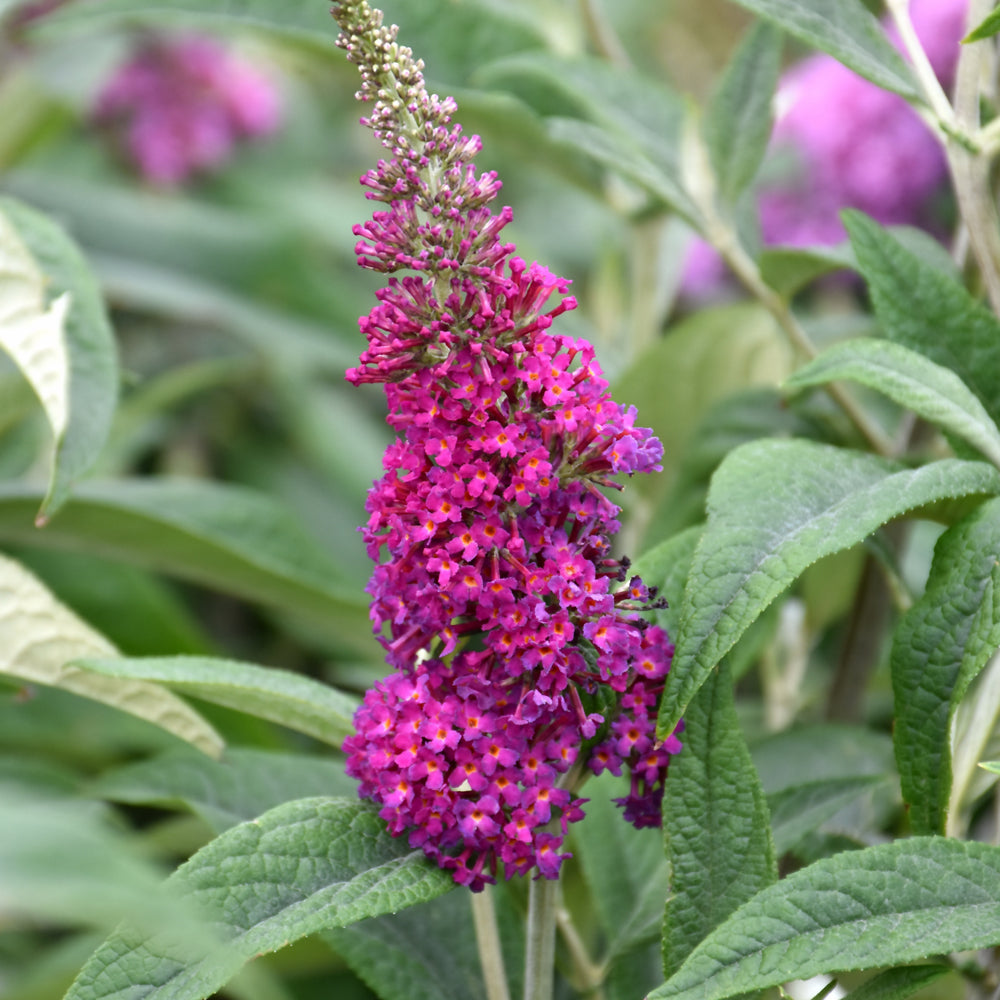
[(516, 637), (848, 144), (180, 105)]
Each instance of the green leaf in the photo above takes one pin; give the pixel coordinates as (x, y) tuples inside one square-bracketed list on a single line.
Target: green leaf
[(939, 646), (60, 863), (882, 905), (218, 535), (931, 391), (427, 952), (38, 639), (624, 869), (821, 752), (239, 786), (64, 347), (774, 508), (789, 269), (298, 19), (290, 699), (626, 122), (987, 29), (804, 808), (303, 867), (666, 567), (928, 311), (716, 824), (739, 117), (900, 983), (847, 31)]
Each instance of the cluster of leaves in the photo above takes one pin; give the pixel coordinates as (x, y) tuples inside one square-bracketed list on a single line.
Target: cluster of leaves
[(829, 558)]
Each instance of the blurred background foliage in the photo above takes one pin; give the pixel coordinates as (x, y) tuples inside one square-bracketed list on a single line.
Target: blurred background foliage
[(234, 298)]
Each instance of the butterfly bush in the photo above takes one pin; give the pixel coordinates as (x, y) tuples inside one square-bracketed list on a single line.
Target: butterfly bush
[(847, 143), (180, 106), (520, 656)]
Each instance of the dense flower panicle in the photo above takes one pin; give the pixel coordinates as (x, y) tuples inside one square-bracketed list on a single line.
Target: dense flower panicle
[(180, 105), (847, 143), (517, 638)]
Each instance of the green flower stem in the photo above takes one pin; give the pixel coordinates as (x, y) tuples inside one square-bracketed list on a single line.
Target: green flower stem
[(488, 942), (539, 959)]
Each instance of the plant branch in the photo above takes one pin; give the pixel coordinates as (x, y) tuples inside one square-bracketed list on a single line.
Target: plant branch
[(965, 144), (488, 943), (743, 266)]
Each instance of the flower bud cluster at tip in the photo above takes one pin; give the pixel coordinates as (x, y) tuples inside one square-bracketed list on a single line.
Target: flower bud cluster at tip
[(517, 639)]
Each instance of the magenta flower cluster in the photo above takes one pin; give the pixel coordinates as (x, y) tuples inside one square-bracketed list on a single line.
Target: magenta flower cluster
[(520, 654), (179, 106), (847, 143)]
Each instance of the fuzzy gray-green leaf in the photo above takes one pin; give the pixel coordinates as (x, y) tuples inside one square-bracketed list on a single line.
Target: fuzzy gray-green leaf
[(300, 868), (739, 117), (940, 645), (913, 381), (716, 823), (883, 905), (774, 508)]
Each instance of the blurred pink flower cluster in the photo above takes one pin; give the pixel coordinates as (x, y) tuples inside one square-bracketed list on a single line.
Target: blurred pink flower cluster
[(847, 144), (179, 106)]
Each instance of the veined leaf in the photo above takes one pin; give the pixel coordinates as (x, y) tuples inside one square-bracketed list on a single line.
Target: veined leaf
[(930, 390), (716, 824), (940, 646), (219, 535), (38, 639), (846, 30), (281, 696), (738, 120), (774, 508), (64, 348), (889, 904), (926, 309), (303, 867)]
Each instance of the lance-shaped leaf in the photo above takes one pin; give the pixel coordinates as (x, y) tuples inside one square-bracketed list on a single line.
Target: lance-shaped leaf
[(878, 906), (716, 824), (240, 786), (940, 645), (930, 390), (64, 347), (281, 696), (926, 309), (38, 639), (849, 32), (303, 867), (774, 508), (738, 120), (219, 535)]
